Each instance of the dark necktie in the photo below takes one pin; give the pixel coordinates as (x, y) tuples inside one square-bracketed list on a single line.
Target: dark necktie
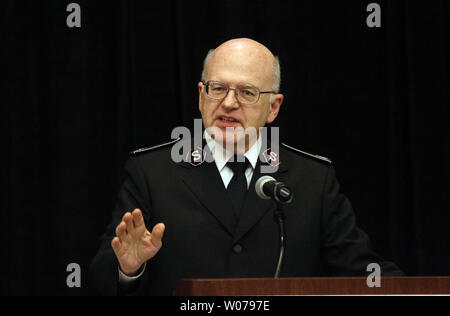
[(237, 188)]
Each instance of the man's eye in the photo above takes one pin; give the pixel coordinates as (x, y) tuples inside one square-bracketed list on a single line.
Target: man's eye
[(218, 89), (248, 93)]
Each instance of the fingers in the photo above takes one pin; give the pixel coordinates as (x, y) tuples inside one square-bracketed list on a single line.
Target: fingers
[(132, 220), (157, 235), (116, 244), (133, 223), (128, 219), (121, 231), (138, 220)]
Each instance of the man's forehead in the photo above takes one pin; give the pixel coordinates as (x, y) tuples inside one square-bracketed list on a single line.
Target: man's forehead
[(240, 68), (247, 56), (234, 78)]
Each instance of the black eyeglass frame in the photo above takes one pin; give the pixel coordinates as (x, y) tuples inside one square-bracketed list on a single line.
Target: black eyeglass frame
[(207, 83)]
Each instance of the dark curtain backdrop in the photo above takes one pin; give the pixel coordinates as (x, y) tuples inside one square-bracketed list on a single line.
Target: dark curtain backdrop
[(76, 101)]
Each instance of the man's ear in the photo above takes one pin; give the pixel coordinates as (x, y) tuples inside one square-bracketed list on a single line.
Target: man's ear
[(275, 106), (200, 94)]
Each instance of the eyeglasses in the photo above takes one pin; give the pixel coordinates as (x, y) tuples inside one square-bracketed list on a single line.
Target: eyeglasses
[(246, 94)]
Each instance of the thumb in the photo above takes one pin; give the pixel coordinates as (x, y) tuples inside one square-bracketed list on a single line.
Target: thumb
[(157, 235)]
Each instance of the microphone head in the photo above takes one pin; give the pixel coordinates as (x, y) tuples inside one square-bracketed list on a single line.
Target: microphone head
[(284, 194), (260, 184)]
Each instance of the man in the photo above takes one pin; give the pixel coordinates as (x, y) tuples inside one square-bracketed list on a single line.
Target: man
[(206, 220)]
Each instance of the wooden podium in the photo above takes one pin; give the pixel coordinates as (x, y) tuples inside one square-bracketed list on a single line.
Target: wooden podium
[(312, 286)]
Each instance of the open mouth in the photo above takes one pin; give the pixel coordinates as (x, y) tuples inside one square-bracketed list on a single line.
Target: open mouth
[(228, 119)]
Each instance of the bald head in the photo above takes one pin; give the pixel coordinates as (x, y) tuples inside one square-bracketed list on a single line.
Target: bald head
[(239, 64), (247, 57)]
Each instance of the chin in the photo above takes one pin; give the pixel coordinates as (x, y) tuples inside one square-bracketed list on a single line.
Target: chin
[(232, 138), (235, 141)]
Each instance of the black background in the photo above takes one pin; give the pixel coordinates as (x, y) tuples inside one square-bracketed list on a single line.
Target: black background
[(76, 101)]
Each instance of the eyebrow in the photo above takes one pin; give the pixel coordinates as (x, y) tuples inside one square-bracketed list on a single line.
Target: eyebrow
[(238, 84)]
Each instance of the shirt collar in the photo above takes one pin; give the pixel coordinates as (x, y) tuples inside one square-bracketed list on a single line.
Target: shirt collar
[(222, 155)]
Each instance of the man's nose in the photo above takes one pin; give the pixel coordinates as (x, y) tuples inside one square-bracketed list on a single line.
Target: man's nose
[(230, 100)]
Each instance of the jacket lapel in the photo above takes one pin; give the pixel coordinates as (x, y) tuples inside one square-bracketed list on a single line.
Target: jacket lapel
[(205, 183), (255, 207)]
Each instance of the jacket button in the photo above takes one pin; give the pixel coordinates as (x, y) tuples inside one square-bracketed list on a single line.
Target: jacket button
[(237, 248)]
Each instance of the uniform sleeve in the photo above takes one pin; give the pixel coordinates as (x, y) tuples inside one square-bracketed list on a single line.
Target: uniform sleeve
[(103, 274), (346, 249)]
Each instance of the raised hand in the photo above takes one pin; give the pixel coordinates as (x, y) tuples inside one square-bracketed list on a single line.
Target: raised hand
[(134, 244)]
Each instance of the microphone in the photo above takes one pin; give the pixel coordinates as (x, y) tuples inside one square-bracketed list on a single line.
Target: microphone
[(268, 188)]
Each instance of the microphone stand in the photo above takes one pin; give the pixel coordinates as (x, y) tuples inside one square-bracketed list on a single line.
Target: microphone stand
[(279, 217)]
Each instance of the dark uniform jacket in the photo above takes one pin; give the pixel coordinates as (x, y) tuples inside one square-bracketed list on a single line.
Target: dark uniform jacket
[(203, 239)]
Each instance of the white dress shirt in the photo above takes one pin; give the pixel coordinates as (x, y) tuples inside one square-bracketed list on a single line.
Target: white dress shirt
[(221, 157)]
